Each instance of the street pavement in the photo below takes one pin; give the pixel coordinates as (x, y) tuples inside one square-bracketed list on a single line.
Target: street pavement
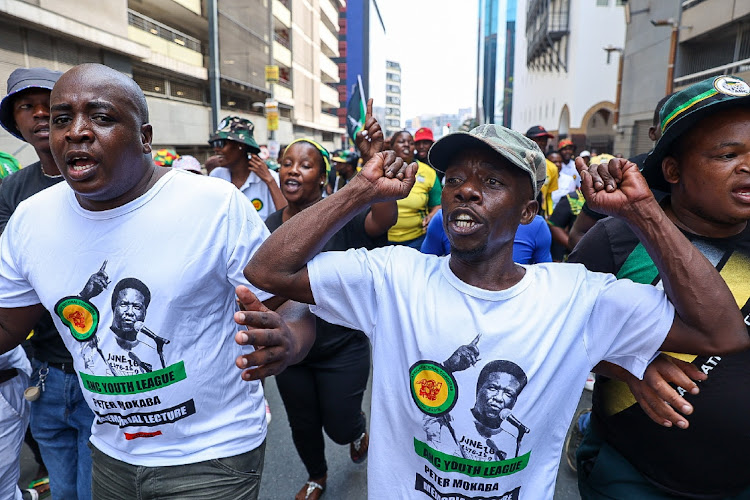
[(284, 473)]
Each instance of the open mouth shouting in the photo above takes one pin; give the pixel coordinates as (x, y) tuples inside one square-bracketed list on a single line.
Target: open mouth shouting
[(742, 193), (81, 165), (463, 223), (292, 185)]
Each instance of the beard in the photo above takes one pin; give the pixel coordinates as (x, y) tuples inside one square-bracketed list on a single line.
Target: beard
[(469, 255)]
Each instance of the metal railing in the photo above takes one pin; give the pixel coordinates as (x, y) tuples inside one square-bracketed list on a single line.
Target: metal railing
[(154, 27), (726, 69), (284, 42), (726, 53), (686, 4)]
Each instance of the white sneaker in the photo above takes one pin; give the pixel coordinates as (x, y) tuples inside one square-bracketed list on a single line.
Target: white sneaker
[(589, 383), (268, 411)]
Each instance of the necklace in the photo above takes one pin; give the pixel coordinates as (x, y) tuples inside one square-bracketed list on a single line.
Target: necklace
[(47, 175)]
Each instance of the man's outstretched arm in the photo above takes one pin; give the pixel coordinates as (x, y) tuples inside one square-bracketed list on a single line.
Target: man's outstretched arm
[(280, 264), (707, 319), (16, 323)]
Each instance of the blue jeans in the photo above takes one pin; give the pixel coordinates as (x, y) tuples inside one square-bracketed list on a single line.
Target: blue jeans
[(236, 478), (61, 424), (14, 417)]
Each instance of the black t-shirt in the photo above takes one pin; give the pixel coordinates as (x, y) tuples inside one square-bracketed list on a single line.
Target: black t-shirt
[(638, 160), (330, 338), (563, 216), (46, 343), (709, 459)]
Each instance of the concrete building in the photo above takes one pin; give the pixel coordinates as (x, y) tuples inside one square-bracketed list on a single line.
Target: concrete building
[(392, 98), (362, 45), (713, 38), (644, 72), (562, 79), (163, 45)]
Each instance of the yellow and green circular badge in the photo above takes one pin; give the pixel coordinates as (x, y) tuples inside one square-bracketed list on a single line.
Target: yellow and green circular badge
[(257, 204), (79, 315), (433, 388)]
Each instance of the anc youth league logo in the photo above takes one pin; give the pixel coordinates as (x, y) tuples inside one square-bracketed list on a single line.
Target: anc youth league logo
[(433, 389), (79, 315), (257, 204)]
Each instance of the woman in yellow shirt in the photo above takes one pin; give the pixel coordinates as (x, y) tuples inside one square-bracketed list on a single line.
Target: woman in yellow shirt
[(416, 210)]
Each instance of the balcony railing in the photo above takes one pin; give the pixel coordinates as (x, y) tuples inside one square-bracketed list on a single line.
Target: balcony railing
[(546, 26), (154, 27), (726, 53), (686, 4)]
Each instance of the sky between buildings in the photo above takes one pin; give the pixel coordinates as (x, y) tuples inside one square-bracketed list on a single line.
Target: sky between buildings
[(436, 43)]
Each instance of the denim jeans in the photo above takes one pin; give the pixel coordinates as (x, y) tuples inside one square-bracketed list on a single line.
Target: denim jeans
[(61, 424), (14, 417), (236, 477)]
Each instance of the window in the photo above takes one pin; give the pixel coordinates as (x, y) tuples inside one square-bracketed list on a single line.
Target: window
[(602, 3)]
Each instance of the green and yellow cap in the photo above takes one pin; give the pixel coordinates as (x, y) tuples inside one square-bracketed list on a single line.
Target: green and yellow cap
[(684, 109)]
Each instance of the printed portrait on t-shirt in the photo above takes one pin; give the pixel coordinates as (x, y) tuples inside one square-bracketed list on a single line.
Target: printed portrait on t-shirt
[(136, 349), (481, 427)]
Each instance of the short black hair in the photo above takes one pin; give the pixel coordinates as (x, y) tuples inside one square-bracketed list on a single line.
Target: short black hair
[(133, 283), (393, 137), (501, 366)]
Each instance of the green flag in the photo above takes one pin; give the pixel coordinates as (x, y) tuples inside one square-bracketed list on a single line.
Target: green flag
[(355, 110), (8, 164)]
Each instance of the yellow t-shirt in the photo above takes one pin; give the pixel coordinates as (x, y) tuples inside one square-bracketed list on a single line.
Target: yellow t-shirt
[(550, 186), (414, 208)]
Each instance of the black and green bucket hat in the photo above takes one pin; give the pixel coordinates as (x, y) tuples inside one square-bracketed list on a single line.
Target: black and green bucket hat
[(234, 128), (684, 109)]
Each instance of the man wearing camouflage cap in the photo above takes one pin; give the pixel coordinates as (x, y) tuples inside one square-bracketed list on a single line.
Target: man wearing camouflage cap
[(479, 362), (235, 144)]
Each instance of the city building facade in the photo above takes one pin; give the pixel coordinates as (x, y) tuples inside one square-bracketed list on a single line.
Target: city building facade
[(644, 73), (163, 45), (495, 61), (565, 75), (392, 98), (362, 45), (712, 37)]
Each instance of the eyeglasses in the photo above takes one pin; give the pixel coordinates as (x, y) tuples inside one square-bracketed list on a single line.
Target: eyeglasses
[(218, 143)]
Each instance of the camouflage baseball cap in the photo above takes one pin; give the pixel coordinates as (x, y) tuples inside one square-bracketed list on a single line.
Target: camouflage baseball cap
[(514, 147), (238, 129)]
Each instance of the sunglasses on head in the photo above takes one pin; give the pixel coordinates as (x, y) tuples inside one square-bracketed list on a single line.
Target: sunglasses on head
[(218, 143)]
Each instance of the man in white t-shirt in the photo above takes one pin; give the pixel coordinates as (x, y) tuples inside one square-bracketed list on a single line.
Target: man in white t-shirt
[(152, 332), (417, 308)]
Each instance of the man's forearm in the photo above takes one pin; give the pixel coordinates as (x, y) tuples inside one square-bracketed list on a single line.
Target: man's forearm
[(701, 298), (381, 218), (294, 243)]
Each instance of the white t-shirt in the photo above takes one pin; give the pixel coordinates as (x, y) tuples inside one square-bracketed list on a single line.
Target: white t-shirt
[(445, 430), (569, 168), (165, 389), (254, 188), (565, 185)]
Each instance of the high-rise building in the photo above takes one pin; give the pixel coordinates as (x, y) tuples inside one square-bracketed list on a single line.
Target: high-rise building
[(495, 61), (163, 45), (362, 46), (564, 75), (392, 98)]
